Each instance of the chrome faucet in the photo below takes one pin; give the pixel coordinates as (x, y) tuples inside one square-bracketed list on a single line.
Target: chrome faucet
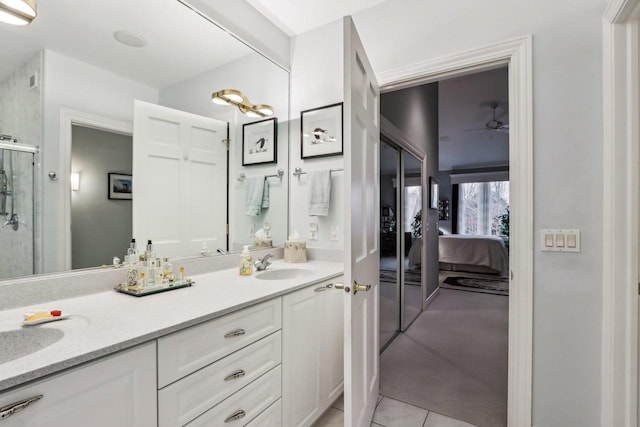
[(262, 264)]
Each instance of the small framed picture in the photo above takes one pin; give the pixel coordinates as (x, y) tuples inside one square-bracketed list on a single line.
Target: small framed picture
[(433, 193), (259, 143), (120, 186), (321, 131)]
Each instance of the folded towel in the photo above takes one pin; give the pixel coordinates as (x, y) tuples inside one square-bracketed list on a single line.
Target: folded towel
[(254, 195), (319, 192)]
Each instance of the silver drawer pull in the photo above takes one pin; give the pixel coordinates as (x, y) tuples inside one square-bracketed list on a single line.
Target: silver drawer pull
[(235, 333), (235, 416), (14, 408), (237, 374)]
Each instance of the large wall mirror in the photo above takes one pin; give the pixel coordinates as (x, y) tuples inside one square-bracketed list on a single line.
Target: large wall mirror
[(117, 95)]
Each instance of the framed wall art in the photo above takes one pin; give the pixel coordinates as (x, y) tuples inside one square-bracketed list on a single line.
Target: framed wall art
[(259, 142), (120, 186), (321, 131)]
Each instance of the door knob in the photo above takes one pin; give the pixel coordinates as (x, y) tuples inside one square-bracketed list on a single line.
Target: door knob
[(358, 287)]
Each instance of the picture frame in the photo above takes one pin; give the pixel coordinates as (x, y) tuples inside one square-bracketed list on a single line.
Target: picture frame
[(433, 193), (120, 186), (321, 131), (260, 142)]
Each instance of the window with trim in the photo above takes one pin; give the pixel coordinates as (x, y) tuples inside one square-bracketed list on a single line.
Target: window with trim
[(481, 206)]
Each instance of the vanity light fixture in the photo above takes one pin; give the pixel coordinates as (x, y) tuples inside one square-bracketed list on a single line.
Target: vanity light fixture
[(75, 181), (17, 12), (235, 97)]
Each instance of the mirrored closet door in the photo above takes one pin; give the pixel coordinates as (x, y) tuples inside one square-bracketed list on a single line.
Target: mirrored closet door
[(400, 240)]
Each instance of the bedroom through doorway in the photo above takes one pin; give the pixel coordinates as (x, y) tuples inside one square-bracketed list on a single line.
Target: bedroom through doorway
[(453, 358)]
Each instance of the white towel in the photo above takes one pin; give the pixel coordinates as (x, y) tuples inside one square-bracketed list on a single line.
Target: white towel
[(265, 194), (319, 192), (254, 195)]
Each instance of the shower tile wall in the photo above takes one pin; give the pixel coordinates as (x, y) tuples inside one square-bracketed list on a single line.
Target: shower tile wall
[(21, 117)]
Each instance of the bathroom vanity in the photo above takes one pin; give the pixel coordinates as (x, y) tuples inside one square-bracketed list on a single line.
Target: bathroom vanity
[(229, 350)]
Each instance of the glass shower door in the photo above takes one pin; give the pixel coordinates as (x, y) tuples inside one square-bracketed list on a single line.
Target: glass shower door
[(16, 210)]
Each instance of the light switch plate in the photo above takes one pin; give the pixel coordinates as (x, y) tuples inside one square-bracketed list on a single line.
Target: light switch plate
[(334, 233), (560, 240)]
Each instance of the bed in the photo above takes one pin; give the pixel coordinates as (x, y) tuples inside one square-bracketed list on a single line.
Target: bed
[(476, 254)]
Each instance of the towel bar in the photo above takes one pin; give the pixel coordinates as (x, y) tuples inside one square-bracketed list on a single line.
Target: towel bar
[(298, 171), (279, 174)]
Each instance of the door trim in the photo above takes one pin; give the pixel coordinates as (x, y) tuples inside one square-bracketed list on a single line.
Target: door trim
[(517, 55), (68, 119), (621, 108)]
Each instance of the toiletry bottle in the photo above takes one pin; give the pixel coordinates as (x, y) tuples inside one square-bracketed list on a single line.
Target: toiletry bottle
[(158, 278), (132, 253), (151, 272), (132, 277), (167, 272), (246, 264), (149, 253)]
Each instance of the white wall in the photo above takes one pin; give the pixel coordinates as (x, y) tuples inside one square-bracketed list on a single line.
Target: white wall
[(317, 79), (250, 75), (69, 83), (567, 93), (100, 228)]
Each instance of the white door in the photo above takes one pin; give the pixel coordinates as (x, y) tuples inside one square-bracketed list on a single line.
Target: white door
[(362, 137), (179, 180)]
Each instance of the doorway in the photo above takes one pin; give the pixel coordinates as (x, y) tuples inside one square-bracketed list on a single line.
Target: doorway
[(443, 362), (95, 154)]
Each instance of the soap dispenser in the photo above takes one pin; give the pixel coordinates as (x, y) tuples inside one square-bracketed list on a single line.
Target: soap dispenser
[(246, 264)]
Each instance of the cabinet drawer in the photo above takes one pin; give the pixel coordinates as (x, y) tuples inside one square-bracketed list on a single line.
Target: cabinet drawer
[(243, 406), (272, 417), (184, 400), (184, 352)]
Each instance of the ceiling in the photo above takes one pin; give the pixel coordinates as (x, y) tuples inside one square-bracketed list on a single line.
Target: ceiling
[(181, 44), (296, 17), (463, 104)]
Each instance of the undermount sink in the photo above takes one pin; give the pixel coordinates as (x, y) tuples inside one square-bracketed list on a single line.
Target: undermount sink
[(282, 274), (26, 341)]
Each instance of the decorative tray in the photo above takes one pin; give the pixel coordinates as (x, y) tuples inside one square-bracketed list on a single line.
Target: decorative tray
[(137, 292)]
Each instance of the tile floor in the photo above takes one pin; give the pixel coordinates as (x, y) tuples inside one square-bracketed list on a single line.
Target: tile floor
[(391, 413)]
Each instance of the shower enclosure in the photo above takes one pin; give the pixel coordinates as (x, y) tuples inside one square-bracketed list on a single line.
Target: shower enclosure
[(16, 208)]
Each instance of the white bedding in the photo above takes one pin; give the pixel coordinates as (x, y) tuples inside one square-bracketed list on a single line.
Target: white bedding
[(466, 251), (487, 251)]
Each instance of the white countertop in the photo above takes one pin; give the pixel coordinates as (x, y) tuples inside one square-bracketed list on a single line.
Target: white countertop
[(106, 322)]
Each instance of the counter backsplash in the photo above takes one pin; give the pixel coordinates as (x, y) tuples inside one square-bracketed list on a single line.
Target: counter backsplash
[(49, 287)]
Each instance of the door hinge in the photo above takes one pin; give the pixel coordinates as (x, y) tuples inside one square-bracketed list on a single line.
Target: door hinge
[(638, 288), (227, 229)]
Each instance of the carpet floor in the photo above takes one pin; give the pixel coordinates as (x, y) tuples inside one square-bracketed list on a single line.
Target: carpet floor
[(453, 359)]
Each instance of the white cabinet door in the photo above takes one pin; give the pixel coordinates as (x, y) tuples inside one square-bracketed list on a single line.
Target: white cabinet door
[(312, 359), (117, 391)]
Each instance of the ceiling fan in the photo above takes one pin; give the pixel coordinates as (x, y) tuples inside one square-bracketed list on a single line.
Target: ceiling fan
[(493, 124)]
